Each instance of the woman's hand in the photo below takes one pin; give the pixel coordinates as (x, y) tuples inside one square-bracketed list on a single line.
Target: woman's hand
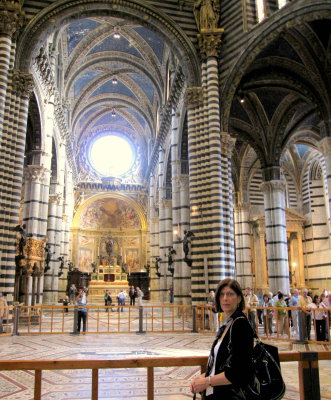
[(199, 384)]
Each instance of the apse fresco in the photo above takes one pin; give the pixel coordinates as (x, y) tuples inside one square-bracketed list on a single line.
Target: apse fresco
[(109, 213), (85, 259)]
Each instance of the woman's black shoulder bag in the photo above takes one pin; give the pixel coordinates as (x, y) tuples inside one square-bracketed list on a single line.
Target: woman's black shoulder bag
[(268, 383)]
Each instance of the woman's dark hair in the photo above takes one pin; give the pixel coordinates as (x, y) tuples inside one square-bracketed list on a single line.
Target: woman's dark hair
[(266, 295), (234, 285), (280, 296), (316, 297)]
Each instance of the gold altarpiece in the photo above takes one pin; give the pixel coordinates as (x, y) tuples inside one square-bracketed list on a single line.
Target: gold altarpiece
[(109, 241)]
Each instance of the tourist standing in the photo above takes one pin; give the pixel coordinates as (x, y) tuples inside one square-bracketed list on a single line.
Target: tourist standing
[(294, 302), (132, 295), (267, 314), (282, 318), (318, 318), (82, 310), (305, 314), (251, 300), (140, 294), (72, 293), (226, 382), (121, 300)]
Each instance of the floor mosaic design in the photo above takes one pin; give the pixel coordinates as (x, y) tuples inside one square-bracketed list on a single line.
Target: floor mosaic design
[(170, 383)]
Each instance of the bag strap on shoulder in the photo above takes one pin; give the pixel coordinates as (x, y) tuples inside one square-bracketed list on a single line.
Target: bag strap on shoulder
[(230, 339)]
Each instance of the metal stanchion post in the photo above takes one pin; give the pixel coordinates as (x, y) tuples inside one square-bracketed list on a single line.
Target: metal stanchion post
[(141, 320), (194, 319), (75, 327), (16, 319)]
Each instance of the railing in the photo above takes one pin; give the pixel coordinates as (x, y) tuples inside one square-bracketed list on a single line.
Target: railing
[(46, 319), (308, 369), (205, 322)]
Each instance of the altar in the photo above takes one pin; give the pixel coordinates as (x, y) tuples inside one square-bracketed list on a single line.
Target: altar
[(107, 277)]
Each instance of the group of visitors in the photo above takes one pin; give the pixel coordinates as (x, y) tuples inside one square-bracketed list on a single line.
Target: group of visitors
[(299, 320), (134, 292), (277, 313), (3, 311)]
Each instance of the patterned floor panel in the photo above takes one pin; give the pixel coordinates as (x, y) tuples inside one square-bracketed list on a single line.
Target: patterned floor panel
[(170, 383)]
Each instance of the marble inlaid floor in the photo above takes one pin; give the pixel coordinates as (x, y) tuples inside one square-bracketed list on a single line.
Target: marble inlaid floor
[(170, 383)]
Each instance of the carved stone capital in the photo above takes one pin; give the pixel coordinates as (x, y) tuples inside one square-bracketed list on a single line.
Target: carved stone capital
[(324, 146), (11, 17), (210, 43), (184, 181), (22, 83), (272, 186), (166, 203), (55, 198), (193, 96), (36, 173), (227, 143)]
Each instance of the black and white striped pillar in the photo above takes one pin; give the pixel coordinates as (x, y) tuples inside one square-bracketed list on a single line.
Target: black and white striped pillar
[(276, 238)]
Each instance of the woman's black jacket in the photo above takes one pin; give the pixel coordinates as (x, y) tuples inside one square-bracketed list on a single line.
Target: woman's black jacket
[(238, 367)]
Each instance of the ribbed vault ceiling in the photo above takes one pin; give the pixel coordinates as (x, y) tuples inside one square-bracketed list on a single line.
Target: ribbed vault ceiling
[(114, 80)]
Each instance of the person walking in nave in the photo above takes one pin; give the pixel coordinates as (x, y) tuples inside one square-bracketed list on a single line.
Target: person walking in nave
[(214, 313), (294, 302), (305, 314), (132, 295), (82, 310), (72, 293), (267, 314), (259, 311), (325, 302), (140, 297), (282, 318), (251, 300), (318, 318), (121, 300)]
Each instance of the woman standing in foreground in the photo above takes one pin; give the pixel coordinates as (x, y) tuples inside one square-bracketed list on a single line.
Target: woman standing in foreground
[(225, 377)]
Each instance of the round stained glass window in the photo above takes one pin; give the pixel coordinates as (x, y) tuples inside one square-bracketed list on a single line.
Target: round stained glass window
[(111, 155)]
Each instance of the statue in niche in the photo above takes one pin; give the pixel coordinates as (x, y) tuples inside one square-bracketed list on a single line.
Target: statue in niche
[(157, 267), (21, 244), (49, 253), (187, 241), (206, 13), (109, 246)]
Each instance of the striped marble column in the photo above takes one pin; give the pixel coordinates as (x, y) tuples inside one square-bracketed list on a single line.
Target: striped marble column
[(228, 245), (243, 245), (68, 207), (167, 224), (51, 278), (12, 147), (183, 271), (211, 221), (154, 239), (11, 21), (36, 178), (194, 102), (276, 238), (324, 146), (162, 227)]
